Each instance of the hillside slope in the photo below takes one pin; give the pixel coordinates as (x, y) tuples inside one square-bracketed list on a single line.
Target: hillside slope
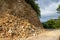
[(18, 19)]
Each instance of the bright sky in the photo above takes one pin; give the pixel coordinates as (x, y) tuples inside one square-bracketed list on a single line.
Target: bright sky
[(48, 9)]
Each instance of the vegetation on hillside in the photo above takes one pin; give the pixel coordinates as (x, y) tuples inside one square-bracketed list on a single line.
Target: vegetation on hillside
[(34, 6), (53, 23)]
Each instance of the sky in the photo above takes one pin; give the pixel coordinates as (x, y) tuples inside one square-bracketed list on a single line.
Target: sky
[(48, 9)]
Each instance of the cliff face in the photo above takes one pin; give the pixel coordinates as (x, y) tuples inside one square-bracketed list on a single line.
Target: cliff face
[(17, 18)]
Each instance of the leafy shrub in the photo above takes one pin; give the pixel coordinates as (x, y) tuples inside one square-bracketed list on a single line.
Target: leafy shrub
[(49, 24), (34, 6)]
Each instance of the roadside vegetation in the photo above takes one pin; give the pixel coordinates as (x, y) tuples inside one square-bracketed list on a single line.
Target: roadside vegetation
[(53, 23), (34, 6)]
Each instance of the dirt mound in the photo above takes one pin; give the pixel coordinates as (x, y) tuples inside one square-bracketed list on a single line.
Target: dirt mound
[(18, 19), (11, 26)]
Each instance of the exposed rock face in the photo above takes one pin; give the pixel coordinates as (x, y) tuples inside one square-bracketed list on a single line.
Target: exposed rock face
[(17, 19)]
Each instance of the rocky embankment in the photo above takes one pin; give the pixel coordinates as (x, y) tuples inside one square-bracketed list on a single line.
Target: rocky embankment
[(18, 19), (12, 26)]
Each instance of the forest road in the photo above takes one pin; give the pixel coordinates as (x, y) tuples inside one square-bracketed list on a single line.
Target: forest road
[(48, 35)]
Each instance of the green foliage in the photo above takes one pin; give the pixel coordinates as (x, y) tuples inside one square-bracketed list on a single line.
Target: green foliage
[(58, 9), (34, 6), (52, 24)]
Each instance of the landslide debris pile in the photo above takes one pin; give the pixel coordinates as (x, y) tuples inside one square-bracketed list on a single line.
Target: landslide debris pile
[(11, 26), (18, 19)]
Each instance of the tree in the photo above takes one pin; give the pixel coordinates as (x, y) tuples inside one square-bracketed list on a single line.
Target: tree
[(58, 9), (52, 23), (49, 24)]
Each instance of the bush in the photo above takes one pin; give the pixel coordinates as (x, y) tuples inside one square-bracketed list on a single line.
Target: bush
[(34, 6), (49, 24)]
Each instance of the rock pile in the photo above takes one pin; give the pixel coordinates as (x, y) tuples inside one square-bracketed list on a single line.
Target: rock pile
[(12, 26), (18, 19)]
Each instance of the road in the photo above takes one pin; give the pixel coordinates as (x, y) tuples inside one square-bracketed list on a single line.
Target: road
[(48, 35)]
